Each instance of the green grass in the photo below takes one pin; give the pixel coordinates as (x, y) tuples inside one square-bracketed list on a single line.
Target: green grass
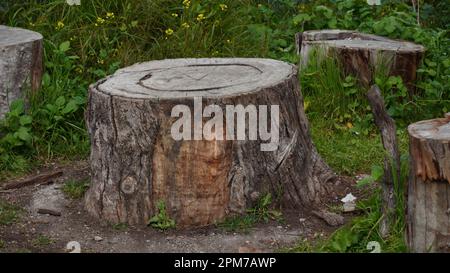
[(355, 236), (75, 189), (347, 152), (120, 226), (261, 212), (42, 241), (239, 223), (8, 213)]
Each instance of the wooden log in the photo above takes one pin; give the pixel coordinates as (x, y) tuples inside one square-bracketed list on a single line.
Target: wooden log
[(428, 219), (136, 161), (361, 54), (40, 179), (21, 64), (388, 132)]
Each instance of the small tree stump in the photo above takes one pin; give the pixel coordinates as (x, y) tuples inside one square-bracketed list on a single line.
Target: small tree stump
[(362, 54), (136, 162), (20, 64), (429, 186)]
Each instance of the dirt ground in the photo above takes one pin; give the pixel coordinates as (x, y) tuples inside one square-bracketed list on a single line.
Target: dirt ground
[(35, 232)]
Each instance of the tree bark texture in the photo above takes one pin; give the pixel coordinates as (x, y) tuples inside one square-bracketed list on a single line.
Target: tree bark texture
[(21, 64), (362, 55), (388, 132), (136, 162), (428, 219)]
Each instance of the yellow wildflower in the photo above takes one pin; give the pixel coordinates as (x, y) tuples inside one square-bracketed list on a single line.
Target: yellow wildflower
[(223, 7), (200, 17), (169, 31), (349, 125), (110, 15), (185, 25), (186, 3), (228, 41), (100, 20), (175, 15), (59, 25), (306, 104)]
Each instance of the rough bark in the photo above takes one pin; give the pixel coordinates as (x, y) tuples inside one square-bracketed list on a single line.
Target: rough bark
[(362, 54), (388, 131), (428, 219), (135, 161), (20, 64)]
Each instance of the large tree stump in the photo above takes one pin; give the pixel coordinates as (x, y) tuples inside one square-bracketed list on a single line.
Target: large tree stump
[(20, 64), (136, 162), (429, 186), (362, 54)]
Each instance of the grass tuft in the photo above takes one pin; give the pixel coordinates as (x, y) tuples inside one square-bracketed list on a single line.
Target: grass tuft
[(75, 189), (8, 213)]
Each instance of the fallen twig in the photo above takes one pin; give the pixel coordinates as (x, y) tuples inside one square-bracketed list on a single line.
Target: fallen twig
[(40, 179)]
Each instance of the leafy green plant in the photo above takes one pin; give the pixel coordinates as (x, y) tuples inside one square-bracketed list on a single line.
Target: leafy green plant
[(42, 241), (375, 175), (161, 220), (16, 127), (75, 189), (260, 212), (263, 212)]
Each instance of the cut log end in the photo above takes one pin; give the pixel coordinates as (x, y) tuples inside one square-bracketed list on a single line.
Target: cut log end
[(188, 78)]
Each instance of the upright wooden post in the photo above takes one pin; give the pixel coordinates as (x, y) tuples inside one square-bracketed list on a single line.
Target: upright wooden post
[(428, 225), (388, 131)]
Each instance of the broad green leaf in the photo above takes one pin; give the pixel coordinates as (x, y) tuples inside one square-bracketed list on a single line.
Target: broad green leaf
[(17, 106), (71, 107), (64, 46), (23, 134), (25, 120), (60, 101), (377, 172)]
